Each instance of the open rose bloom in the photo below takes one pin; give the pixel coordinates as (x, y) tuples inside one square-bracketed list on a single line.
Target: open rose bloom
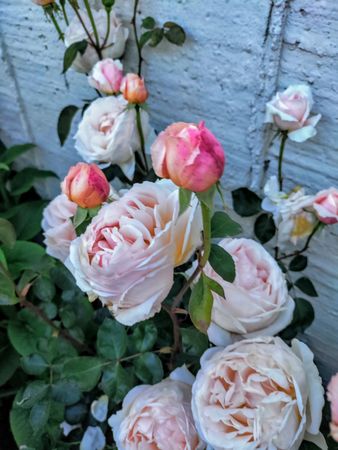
[(258, 394), (325, 205), (257, 303), (332, 395), (158, 417), (127, 255), (290, 111)]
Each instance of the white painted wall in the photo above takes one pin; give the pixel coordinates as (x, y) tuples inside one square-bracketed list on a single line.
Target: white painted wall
[(236, 56)]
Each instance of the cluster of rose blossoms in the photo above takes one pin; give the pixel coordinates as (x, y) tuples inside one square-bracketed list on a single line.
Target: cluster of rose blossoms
[(252, 391)]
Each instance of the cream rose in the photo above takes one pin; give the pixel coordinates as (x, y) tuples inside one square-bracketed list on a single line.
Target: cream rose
[(258, 394), (108, 133), (58, 227), (114, 46), (257, 303), (158, 417), (290, 111), (127, 255)]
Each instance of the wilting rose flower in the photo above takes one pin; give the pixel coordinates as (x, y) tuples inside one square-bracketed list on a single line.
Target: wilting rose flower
[(290, 111), (86, 185), (108, 133), (189, 155), (114, 47), (332, 395), (258, 394), (257, 303), (127, 254), (325, 205), (133, 88), (107, 76), (43, 2), (158, 416), (58, 227)]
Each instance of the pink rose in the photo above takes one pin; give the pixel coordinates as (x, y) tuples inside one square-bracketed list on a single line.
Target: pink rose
[(325, 205), (258, 394), (86, 185), (189, 155), (133, 89), (58, 227), (290, 111), (158, 416), (257, 303), (127, 255), (332, 395), (43, 2), (107, 76)]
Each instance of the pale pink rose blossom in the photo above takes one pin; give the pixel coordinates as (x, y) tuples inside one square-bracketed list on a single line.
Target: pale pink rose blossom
[(257, 303), (158, 416), (332, 395), (258, 394), (107, 76), (58, 227), (133, 89), (127, 254), (189, 155), (325, 205), (290, 111)]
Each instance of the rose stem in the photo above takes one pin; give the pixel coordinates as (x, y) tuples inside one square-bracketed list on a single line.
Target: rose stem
[(139, 50), (64, 12), (206, 216), (55, 22), (318, 226), (108, 29), (92, 21), (280, 160)]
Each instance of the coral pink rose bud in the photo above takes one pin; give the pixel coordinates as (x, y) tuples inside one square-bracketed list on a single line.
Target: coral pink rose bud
[(326, 206), (332, 395), (86, 185), (290, 111), (107, 76), (133, 88), (188, 154), (43, 2)]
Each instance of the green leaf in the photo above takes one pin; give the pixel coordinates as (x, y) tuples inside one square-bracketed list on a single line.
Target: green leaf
[(34, 364), (214, 286), (85, 370), (24, 256), (34, 392), (65, 122), (222, 225), (184, 198), (298, 263), (7, 233), (144, 337), (245, 202), (194, 343), (39, 415), (222, 263), (148, 368), (4, 167), (174, 33), (80, 216), (66, 392), (11, 154), (7, 288), (44, 289), (10, 362), (156, 37), (71, 53), (148, 23), (116, 382), (75, 414), (21, 338), (111, 340), (303, 316), (24, 180), (264, 228), (207, 197), (145, 37), (306, 286), (200, 305)]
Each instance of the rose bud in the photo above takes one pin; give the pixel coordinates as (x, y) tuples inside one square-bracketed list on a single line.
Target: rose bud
[(107, 76), (133, 88), (332, 395), (325, 205), (290, 111), (43, 2), (188, 154), (86, 185)]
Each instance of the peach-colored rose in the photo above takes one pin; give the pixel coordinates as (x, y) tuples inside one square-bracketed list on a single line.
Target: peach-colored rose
[(127, 255), (290, 111), (86, 185), (58, 227), (325, 205), (257, 303), (133, 88), (107, 76), (158, 416), (189, 155), (332, 395), (43, 2), (258, 394)]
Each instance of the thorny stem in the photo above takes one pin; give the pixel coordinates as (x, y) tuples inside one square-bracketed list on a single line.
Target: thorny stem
[(92, 21), (280, 160), (139, 50), (318, 226), (141, 135)]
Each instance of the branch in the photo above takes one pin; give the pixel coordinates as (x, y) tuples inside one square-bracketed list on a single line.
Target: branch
[(139, 50)]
